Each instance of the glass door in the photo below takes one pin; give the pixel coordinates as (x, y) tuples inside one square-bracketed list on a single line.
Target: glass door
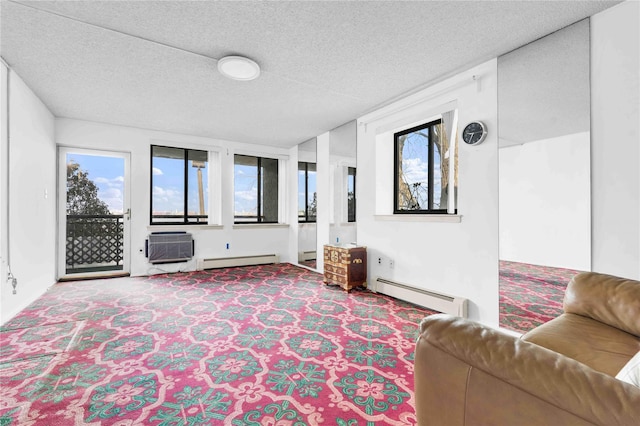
[(94, 213)]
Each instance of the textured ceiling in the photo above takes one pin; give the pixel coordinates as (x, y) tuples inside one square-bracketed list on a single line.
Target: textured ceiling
[(152, 64)]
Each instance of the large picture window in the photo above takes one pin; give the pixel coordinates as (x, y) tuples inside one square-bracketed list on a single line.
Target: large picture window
[(255, 189), (307, 201), (421, 172), (179, 186)]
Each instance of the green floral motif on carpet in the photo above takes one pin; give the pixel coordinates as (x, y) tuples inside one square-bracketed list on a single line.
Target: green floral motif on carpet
[(192, 406), (270, 344), (231, 367), (122, 396), (375, 393)]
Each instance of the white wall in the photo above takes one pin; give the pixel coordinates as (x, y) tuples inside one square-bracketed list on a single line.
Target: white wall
[(615, 150), (210, 241), (292, 205), (323, 186), (545, 214), (32, 198), (4, 175), (459, 258), (342, 155)]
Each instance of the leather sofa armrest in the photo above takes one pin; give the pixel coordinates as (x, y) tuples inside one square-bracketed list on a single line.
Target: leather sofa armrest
[(611, 300), (467, 373)]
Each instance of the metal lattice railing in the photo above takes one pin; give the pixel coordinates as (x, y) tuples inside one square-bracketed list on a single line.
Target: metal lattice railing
[(94, 241)]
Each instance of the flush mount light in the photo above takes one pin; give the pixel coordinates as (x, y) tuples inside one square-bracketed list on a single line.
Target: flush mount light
[(238, 68)]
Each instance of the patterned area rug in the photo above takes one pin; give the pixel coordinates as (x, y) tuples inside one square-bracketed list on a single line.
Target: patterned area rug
[(242, 346), (531, 295)]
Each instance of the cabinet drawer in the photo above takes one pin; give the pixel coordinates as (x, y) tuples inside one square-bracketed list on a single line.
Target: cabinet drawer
[(337, 256), (335, 278), (336, 269)]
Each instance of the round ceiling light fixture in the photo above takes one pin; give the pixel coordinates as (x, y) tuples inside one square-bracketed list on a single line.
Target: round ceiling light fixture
[(239, 68)]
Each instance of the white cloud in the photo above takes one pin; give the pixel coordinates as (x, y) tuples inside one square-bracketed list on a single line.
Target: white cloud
[(157, 172), (415, 170), (113, 197), (161, 192), (246, 195), (111, 193), (116, 182)]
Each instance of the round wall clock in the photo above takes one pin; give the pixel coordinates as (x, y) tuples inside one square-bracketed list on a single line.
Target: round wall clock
[(474, 133)]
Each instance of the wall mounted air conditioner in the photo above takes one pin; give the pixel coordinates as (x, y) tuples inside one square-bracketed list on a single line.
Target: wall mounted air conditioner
[(169, 247)]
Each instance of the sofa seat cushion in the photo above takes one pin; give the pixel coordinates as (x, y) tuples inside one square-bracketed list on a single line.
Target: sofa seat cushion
[(602, 347)]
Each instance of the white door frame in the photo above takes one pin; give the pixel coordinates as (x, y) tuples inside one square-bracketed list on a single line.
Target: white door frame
[(63, 151)]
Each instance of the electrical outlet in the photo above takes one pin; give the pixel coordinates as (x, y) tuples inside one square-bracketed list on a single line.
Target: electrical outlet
[(391, 264)]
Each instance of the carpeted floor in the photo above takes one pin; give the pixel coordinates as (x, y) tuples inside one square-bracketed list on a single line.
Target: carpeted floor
[(309, 263), (531, 295), (240, 346)]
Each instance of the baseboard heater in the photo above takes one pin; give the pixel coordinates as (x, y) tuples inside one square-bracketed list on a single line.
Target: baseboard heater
[(169, 247), (306, 255), (429, 299), (228, 262)]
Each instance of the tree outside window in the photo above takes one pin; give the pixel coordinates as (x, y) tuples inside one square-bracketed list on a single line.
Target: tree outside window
[(421, 173), (351, 194), (307, 194)]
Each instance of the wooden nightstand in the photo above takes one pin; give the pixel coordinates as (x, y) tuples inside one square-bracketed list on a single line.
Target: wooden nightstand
[(345, 265)]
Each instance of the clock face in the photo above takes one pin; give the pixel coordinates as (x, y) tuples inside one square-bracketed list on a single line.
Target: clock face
[(474, 133)]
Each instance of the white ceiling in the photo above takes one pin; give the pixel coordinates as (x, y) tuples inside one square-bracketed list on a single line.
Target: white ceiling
[(152, 64)]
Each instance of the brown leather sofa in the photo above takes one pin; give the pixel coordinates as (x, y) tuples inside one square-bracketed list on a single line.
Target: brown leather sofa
[(561, 373)]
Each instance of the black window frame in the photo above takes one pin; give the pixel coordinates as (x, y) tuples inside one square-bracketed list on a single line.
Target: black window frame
[(306, 192), (259, 208), (185, 214), (351, 215), (430, 172)]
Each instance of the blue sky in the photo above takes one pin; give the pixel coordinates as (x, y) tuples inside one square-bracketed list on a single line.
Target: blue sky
[(108, 175), (168, 186), (168, 182), (415, 166)]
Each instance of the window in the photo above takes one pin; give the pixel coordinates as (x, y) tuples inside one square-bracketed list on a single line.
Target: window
[(307, 201), (179, 186), (255, 189), (351, 194), (420, 172)]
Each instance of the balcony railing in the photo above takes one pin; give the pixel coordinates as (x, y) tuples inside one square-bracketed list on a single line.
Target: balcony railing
[(94, 243)]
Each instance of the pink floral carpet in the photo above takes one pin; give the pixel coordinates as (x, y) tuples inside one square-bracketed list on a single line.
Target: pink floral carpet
[(260, 345), (531, 295)]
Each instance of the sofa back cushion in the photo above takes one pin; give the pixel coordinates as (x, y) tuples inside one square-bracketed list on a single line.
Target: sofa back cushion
[(611, 300)]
